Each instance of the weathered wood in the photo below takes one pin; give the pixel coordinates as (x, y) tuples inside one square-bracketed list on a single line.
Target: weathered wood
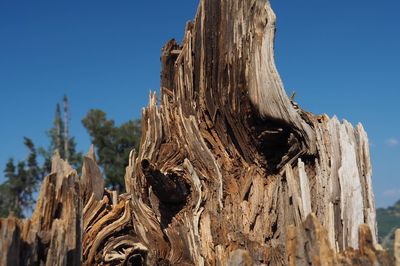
[(53, 235), (230, 170), (308, 244), (255, 164), (92, 181)]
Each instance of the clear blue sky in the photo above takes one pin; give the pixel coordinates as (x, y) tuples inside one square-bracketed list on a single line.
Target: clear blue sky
[(341, 57)]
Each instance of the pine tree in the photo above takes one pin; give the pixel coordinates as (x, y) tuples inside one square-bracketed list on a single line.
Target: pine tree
[(22, 180), (66, 128), (113, 144), (33, 174), (20, 184), (5, 192), (60, 141)]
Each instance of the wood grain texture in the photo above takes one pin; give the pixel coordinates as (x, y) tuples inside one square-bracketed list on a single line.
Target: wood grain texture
[(53, 235), (230, 171)]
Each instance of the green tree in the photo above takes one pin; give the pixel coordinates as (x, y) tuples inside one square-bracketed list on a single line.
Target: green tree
[(20, 184), (6, 196), (22, 180), (113, 144), (61, 141)]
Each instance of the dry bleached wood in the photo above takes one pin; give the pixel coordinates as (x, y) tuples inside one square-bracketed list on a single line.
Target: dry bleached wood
[(255, 164), (92, 181), (53, 235), (230, 170), (60, 232)]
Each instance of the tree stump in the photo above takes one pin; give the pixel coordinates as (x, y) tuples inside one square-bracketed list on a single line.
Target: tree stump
[(230, 170)]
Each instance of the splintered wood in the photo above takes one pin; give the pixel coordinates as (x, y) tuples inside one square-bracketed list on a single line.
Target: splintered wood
[(230, 171), (53, 235)]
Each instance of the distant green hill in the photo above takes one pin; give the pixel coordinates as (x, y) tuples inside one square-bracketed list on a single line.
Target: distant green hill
[(388, 221)]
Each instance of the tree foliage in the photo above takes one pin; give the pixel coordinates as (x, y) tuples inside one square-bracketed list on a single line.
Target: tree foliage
[(113, 144), (22, 179), (16, 193), (388, 220), (58, 138)]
